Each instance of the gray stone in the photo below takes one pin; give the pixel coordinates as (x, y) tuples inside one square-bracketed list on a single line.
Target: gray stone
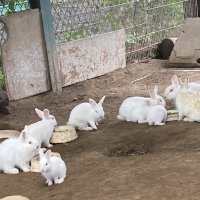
[(186, 52)]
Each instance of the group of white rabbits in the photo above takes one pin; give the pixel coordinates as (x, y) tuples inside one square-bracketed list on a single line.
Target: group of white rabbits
[(17, 153), (151, 110)]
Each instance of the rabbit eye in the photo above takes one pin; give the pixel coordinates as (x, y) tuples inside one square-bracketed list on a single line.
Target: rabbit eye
[(30, 142), (171, 90), (46, 164)]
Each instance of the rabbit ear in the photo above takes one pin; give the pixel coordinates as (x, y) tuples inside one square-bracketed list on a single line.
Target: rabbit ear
[(26, 128), (23, 135), (148, 103), (46, 113), (152, 94), (175, 80), (180, 81), (41, 153), (92, 102), (39, 113), (48, 154), (186, 81), (155, 89), (101, 101)]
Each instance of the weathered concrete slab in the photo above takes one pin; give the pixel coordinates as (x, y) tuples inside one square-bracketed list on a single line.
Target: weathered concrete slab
[(17, 197), (24, 55), (88, 58), (9, 134), (186, 52), (63, 134), (172, 115)]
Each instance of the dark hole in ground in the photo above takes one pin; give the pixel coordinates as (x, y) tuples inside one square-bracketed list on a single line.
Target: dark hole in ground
[(128, 150)]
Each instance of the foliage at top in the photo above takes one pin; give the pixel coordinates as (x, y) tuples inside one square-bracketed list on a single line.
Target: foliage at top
[(11, 6)]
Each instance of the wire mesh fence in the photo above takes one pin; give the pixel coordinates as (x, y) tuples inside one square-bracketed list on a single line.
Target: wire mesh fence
[(146, 22), (7, 7), (10, 6)]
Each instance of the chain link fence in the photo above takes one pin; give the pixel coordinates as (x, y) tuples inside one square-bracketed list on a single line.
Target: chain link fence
[(146, 22), (7, 8)]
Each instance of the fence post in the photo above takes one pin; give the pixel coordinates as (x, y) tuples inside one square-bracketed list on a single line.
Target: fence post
[(198, 4), (47, 21)]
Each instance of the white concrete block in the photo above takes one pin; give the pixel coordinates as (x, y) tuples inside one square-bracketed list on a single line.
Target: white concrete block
[(172, 115), (9, 134), (17, 197), (63, 134)]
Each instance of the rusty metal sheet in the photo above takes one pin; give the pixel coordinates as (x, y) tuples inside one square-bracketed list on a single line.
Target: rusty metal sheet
[(88, 58)]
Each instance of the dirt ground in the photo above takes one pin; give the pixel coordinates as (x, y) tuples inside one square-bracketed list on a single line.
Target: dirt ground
[(156, 163)]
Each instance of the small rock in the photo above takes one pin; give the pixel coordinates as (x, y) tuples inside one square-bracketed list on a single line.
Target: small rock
[(17, 197), (35, 162), (63, 134)]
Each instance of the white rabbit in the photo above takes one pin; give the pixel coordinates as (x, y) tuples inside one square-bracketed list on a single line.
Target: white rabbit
[(52, 168), (43, 130), (86, 116), (131, 102), (188, 103), (17, 153), (172, 90), (157, 115)]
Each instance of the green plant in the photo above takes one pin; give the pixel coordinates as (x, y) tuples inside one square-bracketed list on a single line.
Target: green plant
[(2, 80), (11, 6)]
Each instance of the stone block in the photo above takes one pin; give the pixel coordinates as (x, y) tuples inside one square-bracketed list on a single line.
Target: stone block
[(172, 115), (63, 134), (17, 197)]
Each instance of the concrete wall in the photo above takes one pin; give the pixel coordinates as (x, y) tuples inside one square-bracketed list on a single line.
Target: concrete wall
[(24, 55), (91, 57), (186, 52)]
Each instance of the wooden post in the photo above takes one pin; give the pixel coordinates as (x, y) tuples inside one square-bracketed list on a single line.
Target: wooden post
[(47, 21)]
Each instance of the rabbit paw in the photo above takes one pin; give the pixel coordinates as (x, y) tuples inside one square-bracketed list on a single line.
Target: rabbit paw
[(12, 171), (187, 119), (87, 128), (26, 169), (49, 182), (60, 180), (159, 124)]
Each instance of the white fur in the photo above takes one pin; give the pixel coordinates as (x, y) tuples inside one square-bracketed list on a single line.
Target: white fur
[(188, 104), (132, 103), (157, 115), (172, 90), (86, 116), (43, 130), (52, 168), (17, 153)]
